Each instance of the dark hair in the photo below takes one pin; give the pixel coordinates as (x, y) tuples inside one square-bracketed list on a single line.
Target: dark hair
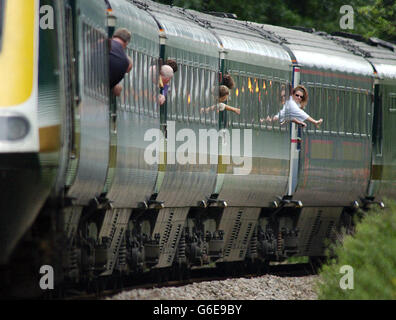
[(228, 81), (304, 100), (172, 64)]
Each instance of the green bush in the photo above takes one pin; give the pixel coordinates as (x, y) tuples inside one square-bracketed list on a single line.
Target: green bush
[(371, 252)]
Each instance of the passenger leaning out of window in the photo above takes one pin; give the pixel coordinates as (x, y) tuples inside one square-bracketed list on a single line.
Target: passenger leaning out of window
[(119, 62), (166, 74), (293, 109), (224, 92)]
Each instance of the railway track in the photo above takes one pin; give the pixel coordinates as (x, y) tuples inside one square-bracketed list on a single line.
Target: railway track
[(102, 290)]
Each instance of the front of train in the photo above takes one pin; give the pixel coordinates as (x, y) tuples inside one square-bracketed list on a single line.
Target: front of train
[(23, 188)]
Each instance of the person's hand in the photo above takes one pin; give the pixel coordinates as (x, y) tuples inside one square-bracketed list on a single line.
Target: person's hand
[(161, 99), (238, 111), (318, 123)]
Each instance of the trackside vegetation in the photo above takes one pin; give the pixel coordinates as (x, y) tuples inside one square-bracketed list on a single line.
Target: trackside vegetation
[(364, 267)]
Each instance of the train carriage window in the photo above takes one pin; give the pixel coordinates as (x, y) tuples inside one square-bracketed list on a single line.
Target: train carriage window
[(232, 118), (187, 94), (94, 62), (207, 102), (341, 111), (315, 106), (136, 69), (349, 113), (202, 104), (197, 94), (128, 88), (202, 99), (186, 88), (356, 114), (271, 105), (364, 113), (153, 92), (192, 98), (256, 99), (249, 102), (318, 106), (135, 83), (145, 85), (179, 100), (347, 107), (140, 83), (214, 93), (265, 108), (87, 75), (243, 99), (324, 99), (101, 66), (280, 98), (260, 108), (190, 94), (333, 109), (172, 97)]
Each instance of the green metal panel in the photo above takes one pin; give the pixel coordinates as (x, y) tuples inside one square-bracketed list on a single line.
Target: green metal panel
[(384, 167)]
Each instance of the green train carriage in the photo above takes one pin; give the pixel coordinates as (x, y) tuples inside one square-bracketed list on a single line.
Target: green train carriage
[(116, 214)]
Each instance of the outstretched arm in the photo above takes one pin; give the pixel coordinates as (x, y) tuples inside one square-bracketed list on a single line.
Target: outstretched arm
[(236, 110), (299, 122), (315, 122)]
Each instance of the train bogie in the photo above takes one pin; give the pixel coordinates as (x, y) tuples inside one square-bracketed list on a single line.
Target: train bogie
[(131, 185)]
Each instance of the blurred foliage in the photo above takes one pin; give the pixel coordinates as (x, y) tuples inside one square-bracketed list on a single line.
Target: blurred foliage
[(372, 18), (372, 255)]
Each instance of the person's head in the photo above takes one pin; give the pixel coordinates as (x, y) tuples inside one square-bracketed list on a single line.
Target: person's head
[(173, 64), (224, 92), (124, 35), (300, 95), (228, 81), (166, 73)]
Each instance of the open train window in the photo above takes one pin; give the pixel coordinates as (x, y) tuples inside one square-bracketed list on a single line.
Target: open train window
[(2, 7)]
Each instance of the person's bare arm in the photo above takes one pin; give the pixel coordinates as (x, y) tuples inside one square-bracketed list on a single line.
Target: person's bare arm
[(236, 110), (317, 123)]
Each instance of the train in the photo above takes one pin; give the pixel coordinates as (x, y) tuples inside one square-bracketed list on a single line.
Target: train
[(102, 187)]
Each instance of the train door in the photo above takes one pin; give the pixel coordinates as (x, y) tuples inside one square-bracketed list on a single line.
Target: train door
[(383, 171), (295, 143), (87, 172)]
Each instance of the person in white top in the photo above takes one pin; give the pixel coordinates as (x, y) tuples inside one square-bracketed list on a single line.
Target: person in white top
[(293, 109)]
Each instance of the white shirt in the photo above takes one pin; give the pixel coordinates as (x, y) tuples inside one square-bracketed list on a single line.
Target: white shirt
[(290, 111), (220, 106)]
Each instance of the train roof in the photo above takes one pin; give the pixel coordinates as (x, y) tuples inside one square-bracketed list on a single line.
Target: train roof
[(240, 43), (380, 53), (315, 51), (278, 45)]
